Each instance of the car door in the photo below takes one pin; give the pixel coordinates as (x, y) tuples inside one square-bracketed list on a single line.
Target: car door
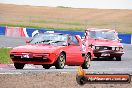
[(74, 51)]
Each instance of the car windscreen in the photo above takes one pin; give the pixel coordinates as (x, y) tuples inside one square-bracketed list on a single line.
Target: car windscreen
[(103, 35), (49, 38)]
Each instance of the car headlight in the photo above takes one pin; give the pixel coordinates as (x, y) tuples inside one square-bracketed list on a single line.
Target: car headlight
[(117, 48), (97, 47), (113, 48)]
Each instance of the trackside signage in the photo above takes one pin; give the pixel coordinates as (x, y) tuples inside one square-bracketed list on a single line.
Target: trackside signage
[(83, 78)]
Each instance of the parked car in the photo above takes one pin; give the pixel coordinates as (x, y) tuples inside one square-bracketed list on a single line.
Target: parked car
[(104, 42), (52, 49)]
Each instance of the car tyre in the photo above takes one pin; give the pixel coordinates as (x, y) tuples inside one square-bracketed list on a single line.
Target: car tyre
[(19, 65), (118, 58), (46, 66), (60, 63), (87, 61), (111, 58)]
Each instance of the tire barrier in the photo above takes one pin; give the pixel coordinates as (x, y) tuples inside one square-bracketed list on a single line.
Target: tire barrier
[(14, 32)]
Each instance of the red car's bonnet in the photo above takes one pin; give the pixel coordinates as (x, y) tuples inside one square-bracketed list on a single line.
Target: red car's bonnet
[(36, 48), (104, 42)]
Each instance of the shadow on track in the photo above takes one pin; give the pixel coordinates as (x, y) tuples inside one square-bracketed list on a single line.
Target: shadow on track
[(104, 59)]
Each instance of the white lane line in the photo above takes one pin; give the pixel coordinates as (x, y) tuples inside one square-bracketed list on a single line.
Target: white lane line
[(31, 66), (4, 73)]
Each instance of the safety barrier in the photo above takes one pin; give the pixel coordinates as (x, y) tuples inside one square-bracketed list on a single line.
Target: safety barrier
[(2, 30), (30, 32)]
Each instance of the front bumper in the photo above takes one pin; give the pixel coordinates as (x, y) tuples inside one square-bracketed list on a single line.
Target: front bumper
[(37, 59), (108, 53)]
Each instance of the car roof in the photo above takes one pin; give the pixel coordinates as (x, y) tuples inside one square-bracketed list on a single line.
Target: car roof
[(99, 29)]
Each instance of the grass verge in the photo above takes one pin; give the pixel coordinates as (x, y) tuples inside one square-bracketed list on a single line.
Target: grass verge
[(4, 56), (20, 25), (39, 27)]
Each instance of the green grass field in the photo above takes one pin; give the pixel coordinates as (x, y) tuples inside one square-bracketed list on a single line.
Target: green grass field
[(4, 56)]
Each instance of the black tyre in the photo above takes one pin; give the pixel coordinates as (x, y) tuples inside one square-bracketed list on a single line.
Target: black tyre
[(60, 63), (19, 65), (111, 58), (46, 66), (118, 58), (87, 61)]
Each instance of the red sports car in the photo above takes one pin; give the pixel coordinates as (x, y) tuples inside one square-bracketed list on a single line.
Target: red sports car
[(104, 42), (52, 49)]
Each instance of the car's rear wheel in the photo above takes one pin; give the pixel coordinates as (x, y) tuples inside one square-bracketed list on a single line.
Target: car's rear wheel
[(110, 58), (19, 65), (60, 63), (87, 61), (118, 58), (46, 66)]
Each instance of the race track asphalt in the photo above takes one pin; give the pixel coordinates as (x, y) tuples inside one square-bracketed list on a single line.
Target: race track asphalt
[(97, 66)]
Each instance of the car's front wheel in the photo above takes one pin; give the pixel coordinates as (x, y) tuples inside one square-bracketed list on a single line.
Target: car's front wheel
[(118, 58), (87, 61), (60, 63), (19, 65), (46, 66)]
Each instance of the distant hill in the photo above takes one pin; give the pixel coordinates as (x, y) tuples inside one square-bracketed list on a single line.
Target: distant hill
[(65, 18)]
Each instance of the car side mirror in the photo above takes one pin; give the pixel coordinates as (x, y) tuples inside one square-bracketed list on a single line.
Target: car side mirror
[(68, 44), (72, 44), (27, 41)]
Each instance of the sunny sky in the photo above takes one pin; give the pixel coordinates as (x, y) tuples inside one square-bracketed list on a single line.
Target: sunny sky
[(103, 4)]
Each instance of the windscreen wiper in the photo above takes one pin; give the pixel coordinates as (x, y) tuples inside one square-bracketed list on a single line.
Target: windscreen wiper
[(42, 41)]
